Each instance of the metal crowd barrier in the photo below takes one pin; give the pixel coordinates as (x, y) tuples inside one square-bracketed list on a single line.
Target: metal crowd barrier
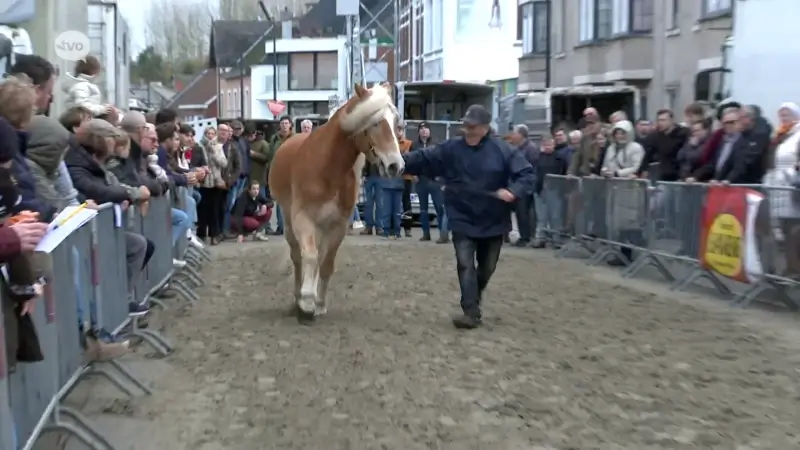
[(660, 225), (89, 274)]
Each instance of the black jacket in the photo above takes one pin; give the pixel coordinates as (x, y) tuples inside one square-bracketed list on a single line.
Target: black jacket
[(549, 164), (471, 175), (198, 157), (128, 171), (26, 182), (90, 179), (663, 148), (689, 158), (744, 164), (246, 206)]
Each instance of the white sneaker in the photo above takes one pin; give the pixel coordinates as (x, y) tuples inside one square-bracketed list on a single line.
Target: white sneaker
[(178, 264), (195, 241), (358, 225)]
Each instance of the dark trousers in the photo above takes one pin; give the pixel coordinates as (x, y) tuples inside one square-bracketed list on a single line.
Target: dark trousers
[(526, 221), (407, 186), (209, 212), (471, 279)]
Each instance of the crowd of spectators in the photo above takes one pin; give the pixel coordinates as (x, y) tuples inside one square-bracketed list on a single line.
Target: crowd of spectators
[(729, 144), (94, 153)]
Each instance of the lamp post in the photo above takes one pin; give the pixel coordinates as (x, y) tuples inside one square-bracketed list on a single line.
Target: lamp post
[(274, 50)]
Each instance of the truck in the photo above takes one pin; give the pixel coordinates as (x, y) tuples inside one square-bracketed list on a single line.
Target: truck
[(758, 60), (541, 111), (110, 42)]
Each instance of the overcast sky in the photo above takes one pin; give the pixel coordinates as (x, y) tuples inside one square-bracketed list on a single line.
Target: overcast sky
[(135, 12)]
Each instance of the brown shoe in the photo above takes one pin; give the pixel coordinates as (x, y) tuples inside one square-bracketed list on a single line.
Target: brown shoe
[(99, 351), (367, 231), (379, 231)]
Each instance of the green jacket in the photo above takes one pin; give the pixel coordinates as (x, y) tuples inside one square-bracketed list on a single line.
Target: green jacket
[(260, 157), (274, 143)]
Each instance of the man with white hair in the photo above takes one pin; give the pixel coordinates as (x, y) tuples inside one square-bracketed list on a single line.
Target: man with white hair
[(130, 170), (618, 116), (575, 137), (306, 126)]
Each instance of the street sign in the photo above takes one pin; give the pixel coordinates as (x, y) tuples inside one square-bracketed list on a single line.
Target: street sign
[(276, 107), (377, 41)]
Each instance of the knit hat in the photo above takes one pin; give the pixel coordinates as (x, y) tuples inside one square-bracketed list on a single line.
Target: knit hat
[(9, 141)]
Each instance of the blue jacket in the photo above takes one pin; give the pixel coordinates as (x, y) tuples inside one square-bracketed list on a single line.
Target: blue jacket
[(26, 183), (163, 161), (470, 174)]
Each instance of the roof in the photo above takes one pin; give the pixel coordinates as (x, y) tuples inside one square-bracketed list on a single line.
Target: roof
[(198, 92), (321, 19), (231, 38), (154, 92)]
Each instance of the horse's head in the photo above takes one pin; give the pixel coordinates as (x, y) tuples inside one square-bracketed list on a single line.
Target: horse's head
[(370, 118)]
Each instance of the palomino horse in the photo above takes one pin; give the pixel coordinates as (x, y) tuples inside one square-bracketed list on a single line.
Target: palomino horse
[(315, 176)]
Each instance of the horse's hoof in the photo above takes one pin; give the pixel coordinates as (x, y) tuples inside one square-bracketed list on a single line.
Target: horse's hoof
[(305, 318)]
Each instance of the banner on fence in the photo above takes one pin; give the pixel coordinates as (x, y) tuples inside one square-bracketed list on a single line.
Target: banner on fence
[(728, 243)]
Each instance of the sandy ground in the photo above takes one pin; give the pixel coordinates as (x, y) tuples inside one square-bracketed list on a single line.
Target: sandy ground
[(570, 358)]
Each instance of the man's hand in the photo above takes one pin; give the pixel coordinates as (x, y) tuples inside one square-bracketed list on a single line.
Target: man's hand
[(191, 178), (201, 175), (144, 207), (144, 193), (643, 176), (91, 204), (506, 195), (240, 238), (109, 109), (125, 205), (714, 182), (691, 180), (29, 234), (606, 173), (28, 306)]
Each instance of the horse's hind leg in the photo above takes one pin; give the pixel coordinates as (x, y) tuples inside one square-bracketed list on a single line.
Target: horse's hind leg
[(327, 267), (305, 233), (295, 253)]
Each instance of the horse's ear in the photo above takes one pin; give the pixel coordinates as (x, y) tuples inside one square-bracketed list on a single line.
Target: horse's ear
[(360, 91)]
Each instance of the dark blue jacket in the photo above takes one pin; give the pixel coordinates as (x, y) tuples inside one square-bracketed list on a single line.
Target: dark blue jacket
[(26, 183), (470, 174), (163, 161)]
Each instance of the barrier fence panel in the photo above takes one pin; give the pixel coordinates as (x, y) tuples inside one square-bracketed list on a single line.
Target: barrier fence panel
[(8, 439), (751, 232), (553, 201), (87, 278)]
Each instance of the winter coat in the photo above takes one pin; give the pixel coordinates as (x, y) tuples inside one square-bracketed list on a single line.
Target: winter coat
[(48, 143), (81, 91), (259, 161)]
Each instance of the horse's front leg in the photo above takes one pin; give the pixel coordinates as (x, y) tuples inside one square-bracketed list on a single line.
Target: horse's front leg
[(305, 233), (328, 266)]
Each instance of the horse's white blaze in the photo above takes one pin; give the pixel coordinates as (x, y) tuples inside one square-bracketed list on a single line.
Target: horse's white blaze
[(392, 156)]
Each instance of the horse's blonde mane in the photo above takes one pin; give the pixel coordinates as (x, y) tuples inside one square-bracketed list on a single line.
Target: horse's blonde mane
[(368, 112)]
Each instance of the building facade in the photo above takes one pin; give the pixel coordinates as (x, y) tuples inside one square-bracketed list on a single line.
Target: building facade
[(459, 40), (660, 47), (309, 72), (235, 93)]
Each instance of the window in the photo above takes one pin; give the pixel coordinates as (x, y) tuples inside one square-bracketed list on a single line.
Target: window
[(586, 19), (604, 24), (534, 28), (464, 16), (672, 98), (432, 24), (641, 15), (307, 108), (301, 71), (236, 103), (229, 104), (246, 102), (326, 74), (714, 7), (602, 19), (674, 15)]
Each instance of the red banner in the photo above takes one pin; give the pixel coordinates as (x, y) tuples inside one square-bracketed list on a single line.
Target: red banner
[(727, 241)]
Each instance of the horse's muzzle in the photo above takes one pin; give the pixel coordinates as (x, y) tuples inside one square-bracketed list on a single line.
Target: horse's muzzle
[(394, 169)]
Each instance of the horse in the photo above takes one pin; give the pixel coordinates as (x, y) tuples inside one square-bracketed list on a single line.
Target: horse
[(315, 178)]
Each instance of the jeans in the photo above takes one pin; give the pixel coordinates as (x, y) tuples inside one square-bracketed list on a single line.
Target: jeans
[(195, 195), (392, 210), (190, 207), (279, 219), (230, 200), (430, 188), (136, 247), (355, 217), (548, 215), (180, 224), (373, 208), (472, 281), (524, 223)]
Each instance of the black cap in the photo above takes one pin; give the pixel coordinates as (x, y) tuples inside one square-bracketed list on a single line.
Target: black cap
[(423, 125), (477, 115)]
